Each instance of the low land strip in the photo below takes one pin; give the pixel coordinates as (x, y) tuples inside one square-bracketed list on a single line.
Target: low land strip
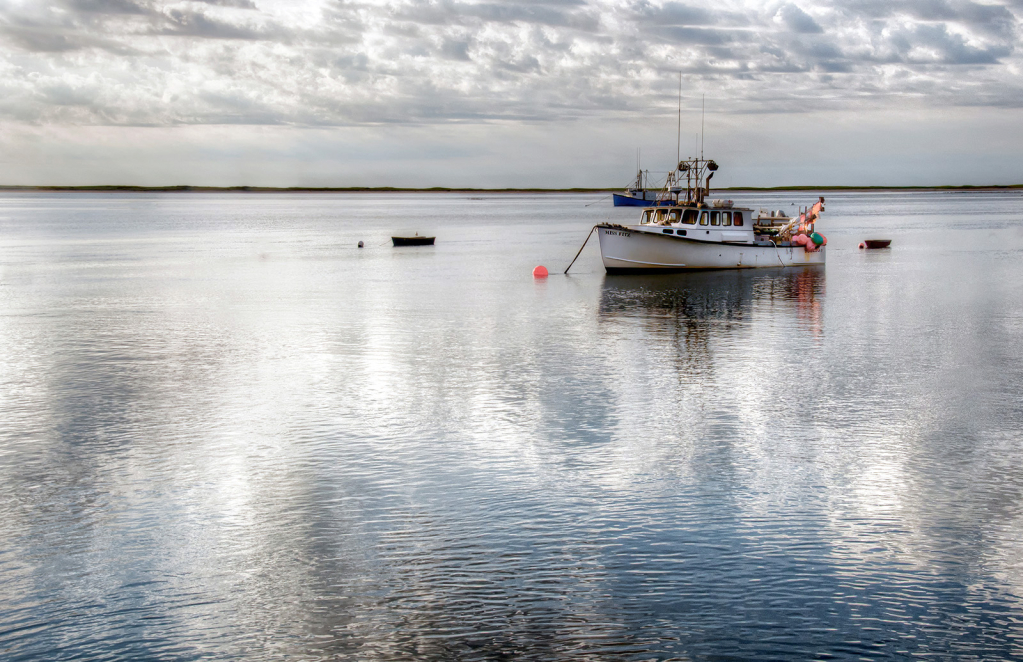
[(439, 189)]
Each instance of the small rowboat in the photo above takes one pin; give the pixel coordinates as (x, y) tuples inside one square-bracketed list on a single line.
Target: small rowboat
[(877, 243), (413, 241)]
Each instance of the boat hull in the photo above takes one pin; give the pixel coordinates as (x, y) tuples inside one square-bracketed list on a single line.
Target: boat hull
[(629, 201), (626, 250), (413, 241)]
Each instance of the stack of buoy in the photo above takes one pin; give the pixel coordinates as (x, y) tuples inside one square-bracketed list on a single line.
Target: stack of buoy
[(810, 242)]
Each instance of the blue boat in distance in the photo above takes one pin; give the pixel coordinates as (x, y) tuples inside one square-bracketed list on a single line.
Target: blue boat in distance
[(638, 195), (632, 200)]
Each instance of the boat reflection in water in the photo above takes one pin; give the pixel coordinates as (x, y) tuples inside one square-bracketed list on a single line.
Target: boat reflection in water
[(696, 307)]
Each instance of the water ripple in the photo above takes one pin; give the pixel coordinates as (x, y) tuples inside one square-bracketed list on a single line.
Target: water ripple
[(230, 433)]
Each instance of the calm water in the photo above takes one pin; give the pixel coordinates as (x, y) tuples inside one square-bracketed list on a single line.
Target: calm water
[(226, 432)]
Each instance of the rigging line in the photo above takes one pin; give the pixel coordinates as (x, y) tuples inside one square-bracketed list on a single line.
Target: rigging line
[(596, 201), (588, 234)]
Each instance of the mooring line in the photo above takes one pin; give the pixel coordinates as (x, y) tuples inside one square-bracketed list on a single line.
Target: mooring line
[(581, 248), (778, 255)]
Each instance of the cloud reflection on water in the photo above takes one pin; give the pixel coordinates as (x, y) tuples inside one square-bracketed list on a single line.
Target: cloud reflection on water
[(235, 435)]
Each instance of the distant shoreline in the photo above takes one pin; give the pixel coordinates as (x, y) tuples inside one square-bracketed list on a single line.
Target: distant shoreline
[(439, 189)]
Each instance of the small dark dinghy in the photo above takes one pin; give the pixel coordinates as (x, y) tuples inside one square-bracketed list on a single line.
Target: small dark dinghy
[(413, 241), (877, 243)]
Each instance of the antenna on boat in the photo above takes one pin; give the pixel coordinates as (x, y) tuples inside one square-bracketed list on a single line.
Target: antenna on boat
[(678, 146), (703, 119)]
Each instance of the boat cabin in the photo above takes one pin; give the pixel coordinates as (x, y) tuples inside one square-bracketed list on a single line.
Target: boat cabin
[(699, 219), (696, 216)]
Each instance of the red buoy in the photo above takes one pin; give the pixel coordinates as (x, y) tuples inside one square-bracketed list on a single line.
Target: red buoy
[(540, 272)]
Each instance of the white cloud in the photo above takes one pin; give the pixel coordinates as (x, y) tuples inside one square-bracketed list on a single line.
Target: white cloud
[(357, 62), (422, 63)]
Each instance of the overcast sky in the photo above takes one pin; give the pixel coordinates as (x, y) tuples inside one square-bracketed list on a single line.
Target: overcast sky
[(522, 93)]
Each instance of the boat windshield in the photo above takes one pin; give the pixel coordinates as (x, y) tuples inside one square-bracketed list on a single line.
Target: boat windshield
[(689, 217), (674, 215)]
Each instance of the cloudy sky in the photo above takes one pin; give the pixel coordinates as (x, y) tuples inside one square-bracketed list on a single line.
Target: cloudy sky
[(513, 93)]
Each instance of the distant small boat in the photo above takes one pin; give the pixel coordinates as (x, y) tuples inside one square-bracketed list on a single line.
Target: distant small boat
[(638, 198), (413, 241), (638, 195), (877, 243)]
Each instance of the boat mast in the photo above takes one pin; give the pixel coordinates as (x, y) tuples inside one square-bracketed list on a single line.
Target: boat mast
[(702, 164), (698, 170)]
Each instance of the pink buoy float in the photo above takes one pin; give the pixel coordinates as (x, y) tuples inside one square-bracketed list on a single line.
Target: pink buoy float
[(540, 272)]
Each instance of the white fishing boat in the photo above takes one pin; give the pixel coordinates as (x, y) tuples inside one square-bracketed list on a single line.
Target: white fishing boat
[(691, 232)]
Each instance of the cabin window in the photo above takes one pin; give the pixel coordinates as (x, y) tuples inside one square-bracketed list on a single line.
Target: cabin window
[(726, 218), (715, 218), (703, 217), (647, 216), (689, 217), (737, 217), (673, 216)]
